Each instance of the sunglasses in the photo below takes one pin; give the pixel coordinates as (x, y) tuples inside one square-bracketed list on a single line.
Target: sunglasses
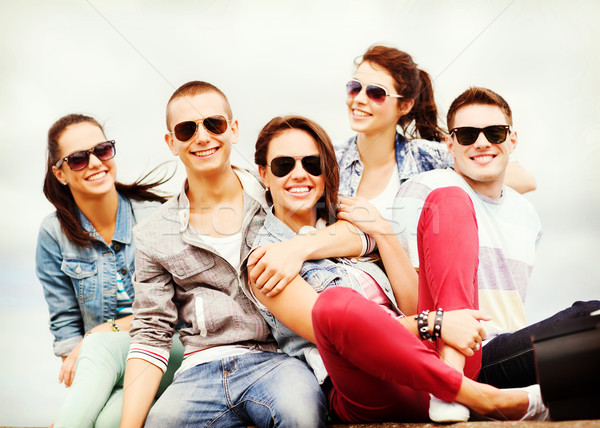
[(467, 135), (283, 165), (80, 160), (214, 124), (375, 93)]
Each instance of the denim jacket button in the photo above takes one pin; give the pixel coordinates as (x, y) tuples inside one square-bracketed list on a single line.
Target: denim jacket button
[(123, 271), (78, 269), (116, 247)]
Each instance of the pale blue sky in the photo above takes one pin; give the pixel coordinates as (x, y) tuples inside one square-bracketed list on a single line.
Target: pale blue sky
[(121, 60)]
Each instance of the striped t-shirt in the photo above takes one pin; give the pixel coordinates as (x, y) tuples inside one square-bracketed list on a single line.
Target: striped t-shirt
[(509, 229)]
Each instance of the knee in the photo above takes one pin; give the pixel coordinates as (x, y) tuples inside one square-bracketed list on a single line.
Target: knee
[(304, 403), (331, 304), (585, 308), (448, 198)]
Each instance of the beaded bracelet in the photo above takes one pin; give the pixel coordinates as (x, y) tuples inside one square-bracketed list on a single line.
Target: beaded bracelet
[(437, 326), (114, 325)]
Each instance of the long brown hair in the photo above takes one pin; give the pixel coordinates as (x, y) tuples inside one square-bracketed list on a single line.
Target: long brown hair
[(412, 83), (327, 204), (61, 197)]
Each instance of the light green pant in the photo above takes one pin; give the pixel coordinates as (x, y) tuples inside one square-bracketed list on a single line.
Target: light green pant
[(96, 397)]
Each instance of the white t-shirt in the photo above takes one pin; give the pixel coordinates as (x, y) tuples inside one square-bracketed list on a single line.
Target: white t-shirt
[(385, 200), (509, 229)]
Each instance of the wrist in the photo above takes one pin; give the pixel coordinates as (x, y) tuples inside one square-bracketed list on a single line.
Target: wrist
[(303, 247)]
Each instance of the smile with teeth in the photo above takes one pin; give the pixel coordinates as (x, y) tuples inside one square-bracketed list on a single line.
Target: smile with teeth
[(483, 158), (96, 176), (299, 190), (204, 153), (360, 113)]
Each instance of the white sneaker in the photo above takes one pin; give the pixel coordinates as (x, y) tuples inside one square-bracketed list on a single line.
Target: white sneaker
[(536, 411), (445, 411)]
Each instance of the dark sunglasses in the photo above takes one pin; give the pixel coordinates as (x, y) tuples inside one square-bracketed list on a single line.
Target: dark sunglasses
[(467, 135), (79, 160), (283, 165), (375, 93), (214, 124)]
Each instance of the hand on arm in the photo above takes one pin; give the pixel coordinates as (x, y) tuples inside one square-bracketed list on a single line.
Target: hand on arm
[(139, 388), (275, 265), (399, 269)]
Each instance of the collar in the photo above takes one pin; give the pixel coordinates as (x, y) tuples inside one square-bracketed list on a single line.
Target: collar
[(282, 232), (178, 208), (352, 156)]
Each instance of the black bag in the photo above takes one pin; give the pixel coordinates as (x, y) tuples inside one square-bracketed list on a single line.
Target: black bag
[(567, 357)]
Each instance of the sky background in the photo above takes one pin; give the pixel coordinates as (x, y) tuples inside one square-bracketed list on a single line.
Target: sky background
[(120, 61)]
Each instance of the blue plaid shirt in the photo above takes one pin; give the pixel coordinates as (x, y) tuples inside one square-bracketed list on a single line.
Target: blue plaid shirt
[(412, 157)]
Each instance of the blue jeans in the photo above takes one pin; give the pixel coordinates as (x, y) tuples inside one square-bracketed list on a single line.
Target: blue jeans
[(264, 389), (508, 361)]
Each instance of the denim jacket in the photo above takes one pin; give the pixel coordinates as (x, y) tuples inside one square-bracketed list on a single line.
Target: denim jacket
[(412, 157), (320, 274), (80, 283)]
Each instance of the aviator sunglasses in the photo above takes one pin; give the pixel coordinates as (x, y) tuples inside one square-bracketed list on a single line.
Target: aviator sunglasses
[(283, 165), (375, 93), (214, 124), (467, 135), (79, 160)]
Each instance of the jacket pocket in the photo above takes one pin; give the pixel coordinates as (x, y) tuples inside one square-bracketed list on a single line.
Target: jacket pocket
[(192, 267), (83, 275)]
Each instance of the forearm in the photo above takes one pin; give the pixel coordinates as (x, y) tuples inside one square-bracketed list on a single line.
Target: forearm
[(341, 239), (519, 178), (293, 306), (139, 389), (399, 269)]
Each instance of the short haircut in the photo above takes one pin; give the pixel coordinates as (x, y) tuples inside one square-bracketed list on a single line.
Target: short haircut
[(476, 95), (197, 87)]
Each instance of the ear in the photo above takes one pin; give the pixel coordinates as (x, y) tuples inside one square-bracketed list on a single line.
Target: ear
[(262, 170), (405, 106), (512, 142), (59, 174), (450, 144), (170, 143), (234, 131)]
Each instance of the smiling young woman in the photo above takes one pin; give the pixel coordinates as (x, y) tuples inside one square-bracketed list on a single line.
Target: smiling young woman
[(85, 262)]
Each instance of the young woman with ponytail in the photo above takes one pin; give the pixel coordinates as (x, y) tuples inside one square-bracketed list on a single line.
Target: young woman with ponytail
[(85, 261), (388, 93)]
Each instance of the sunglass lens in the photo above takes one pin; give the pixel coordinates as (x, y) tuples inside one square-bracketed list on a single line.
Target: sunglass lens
[(495, 134), (78, 161), (215, 124), (467, 135), (104, 151), (312, 165), (376, 93), (281, 166), (185, 130), (353, 88)]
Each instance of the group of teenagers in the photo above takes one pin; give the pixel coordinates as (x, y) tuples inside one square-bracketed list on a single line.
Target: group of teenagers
[(379, 279)]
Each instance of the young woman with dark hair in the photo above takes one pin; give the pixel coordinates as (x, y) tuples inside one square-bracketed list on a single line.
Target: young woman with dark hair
[(85, 261), (370, 359)]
